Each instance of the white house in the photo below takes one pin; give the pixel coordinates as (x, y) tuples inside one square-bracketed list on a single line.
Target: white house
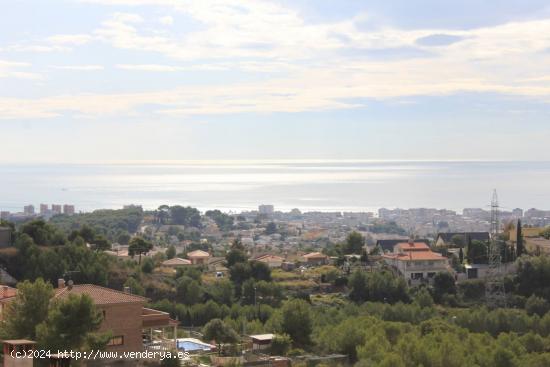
[(416, 262)]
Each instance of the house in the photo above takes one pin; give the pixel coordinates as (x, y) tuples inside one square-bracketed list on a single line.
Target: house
[(261, 341), (176, 262), (416, 262), (272, 261), (124, 315), (480, 271), (7, 294), (385, 246), (315, 258), (6, 278), (14, 349), (198, 257), (446, 239)]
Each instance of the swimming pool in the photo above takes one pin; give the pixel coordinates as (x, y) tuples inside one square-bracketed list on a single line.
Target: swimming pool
[(193, 345)]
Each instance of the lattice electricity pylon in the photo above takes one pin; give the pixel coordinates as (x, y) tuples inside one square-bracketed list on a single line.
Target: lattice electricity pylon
[(495, 294)]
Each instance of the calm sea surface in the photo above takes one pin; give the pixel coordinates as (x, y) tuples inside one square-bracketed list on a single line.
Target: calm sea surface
[(319, 185)]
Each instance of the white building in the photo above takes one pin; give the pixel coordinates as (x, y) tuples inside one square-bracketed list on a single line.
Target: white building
[(416, 262)]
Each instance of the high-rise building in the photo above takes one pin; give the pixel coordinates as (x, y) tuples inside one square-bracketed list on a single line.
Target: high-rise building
[(68, 209), (56, 209), (266, 209), (4, 214), (28, 209), (44, 209), (517, 213)]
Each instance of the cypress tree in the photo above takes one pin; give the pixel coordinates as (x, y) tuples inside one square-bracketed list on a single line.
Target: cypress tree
[(519, 240)]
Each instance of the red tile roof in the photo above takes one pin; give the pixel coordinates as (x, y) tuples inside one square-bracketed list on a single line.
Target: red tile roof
[(268, 258), (198, 253), (315, 255), (415, 246), (176, 261), (100, 295), (415, 256)]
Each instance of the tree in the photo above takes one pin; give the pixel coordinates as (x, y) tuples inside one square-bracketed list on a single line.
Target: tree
[(148, 266), (170, 252), (139, 246), (69, 323), (87, 233), (461, 256), (458, 240), (519, 240), (444, 283), (296, 321), (536, 305), (27, 310), (423, 298), (358, 285), (271, 228), (477, 252), (188, 290), (280, 345), (100, 243), (260, 271), (220, 332), (235, 255), (123, 238), (354, 243)]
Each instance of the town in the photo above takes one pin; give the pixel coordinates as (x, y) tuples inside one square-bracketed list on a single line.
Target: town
[(238, 288)]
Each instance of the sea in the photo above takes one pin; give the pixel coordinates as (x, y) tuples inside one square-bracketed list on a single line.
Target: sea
[(309, 185)]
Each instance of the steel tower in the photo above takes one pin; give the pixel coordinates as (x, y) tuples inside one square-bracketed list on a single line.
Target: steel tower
[(494, 286)]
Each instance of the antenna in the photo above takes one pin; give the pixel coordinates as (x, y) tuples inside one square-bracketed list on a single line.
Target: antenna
[(494, 286)]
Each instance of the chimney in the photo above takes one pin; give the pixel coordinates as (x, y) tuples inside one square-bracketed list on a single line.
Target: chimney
[(60, 283), (127, 290)]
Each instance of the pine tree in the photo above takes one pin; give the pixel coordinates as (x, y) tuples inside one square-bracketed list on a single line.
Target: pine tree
[(461, 255)]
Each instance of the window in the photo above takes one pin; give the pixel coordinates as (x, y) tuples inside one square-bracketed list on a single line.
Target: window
[(116, 340)]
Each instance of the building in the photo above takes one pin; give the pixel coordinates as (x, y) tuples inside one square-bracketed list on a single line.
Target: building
[(198, 257), (517, 213), (266, 209), (526, 232), (7, 294), (447, 239), (68, 209), (124, 315), (5, 236), (272, 261), (19, 347), (28, 210), (416, 262), (6, 278), (44, 209), (385, 246), (315, 258), (176, 262), (4, 214), (261, 341), (56, 209)]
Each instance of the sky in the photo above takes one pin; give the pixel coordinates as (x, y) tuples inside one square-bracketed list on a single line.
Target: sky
[(117, 80)]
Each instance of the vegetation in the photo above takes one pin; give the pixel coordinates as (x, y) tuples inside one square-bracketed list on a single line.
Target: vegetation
[(112, 224)]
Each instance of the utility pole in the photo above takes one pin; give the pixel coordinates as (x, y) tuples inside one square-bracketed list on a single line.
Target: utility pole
[(495, 294)]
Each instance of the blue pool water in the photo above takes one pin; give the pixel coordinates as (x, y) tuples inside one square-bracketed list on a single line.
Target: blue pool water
[(190, 346)]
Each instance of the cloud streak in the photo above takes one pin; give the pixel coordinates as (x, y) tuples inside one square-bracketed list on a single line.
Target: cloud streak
[(294, 65)]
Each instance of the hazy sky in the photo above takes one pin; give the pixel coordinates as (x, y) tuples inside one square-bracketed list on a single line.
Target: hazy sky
[(103, 80)]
